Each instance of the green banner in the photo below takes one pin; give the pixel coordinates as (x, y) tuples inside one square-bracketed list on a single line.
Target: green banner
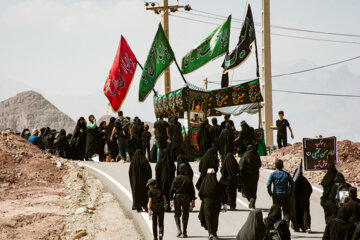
[(214, 45), (160, 57)]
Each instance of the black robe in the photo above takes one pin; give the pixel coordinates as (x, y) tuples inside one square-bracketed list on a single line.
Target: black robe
[(226, 142), (356, 235), (247, 137), (165, 173), (78, 140), (209, 160), (250, 165), (340, 228), (326, 201), (61, 144), (203, 137), (300, 202), (254, 227), (92, 141), (229, 177), (175, 132), (189, 172), (273, 217), (137, 130), (139, 173), (113, 146), (212, 195)]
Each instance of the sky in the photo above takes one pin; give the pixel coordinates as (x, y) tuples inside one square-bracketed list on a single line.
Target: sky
[(66, 47)]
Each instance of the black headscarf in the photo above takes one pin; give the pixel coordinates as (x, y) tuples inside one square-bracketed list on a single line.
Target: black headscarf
[(175, 132), (139, 173), (109, 128), (273, 216), (254, 227), (250, 161), (203, 137), (182, 159), (328, 181)]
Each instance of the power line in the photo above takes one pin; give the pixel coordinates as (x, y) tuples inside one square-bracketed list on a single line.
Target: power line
[(275, 34), (284, 27), (297, 72), (319, 94)]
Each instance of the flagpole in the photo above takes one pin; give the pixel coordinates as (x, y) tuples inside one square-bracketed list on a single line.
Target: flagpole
[(177, 65)]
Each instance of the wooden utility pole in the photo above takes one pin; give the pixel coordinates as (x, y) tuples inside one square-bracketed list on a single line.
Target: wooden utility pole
[(206, 83), (164, 11), (266, 74)]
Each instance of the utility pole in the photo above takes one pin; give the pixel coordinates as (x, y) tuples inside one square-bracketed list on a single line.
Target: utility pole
[(266, 73), (206, 83), (164, 11)]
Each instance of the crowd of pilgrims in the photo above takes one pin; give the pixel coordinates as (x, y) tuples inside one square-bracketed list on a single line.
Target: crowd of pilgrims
[(173, 185)]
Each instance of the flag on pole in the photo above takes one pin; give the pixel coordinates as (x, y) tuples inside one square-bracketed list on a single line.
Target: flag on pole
[(120, 75), (214, 45), (244, 46), (159, 58)]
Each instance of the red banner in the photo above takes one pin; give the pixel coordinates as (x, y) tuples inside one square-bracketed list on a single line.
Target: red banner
[(121, 74)]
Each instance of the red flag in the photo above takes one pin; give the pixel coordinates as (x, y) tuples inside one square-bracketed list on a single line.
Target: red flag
[(121, 74)]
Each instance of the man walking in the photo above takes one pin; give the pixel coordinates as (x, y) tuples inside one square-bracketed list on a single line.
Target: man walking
[(283, 187), (123, 129), (281, 125)]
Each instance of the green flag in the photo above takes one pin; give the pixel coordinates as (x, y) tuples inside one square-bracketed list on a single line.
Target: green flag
[(160, 56), (211, 47)]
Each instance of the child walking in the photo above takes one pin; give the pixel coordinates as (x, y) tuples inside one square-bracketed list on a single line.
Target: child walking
[(156, 208)]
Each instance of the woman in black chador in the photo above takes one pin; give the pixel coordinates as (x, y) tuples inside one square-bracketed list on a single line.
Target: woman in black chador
[(182, 159), (113, 147), (226, 141), (275, 225), (203, 137), (165, 173), (327, 202), (175, 131), (212, 196), (139, 174), (254, 227), (250, 165), (300, 202), (209, 160), (340, 228), (92, 138), (78, 140), (229, 177)]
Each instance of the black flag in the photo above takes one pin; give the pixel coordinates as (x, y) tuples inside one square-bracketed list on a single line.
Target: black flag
[(244, 46), (225, 80)]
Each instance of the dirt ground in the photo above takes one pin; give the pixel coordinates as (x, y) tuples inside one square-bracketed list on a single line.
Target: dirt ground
[(45, 197), (348, 161)]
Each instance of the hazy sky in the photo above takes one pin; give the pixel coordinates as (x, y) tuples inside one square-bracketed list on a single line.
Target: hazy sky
[(66, 47)]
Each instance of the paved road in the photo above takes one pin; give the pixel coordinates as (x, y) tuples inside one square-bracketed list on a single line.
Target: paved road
[(115, 178)]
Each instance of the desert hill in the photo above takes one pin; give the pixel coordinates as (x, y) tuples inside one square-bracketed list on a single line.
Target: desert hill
[(31, 110)]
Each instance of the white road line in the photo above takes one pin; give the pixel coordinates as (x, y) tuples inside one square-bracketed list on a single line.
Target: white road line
[(238, 199), (316, 188), (123, 189)]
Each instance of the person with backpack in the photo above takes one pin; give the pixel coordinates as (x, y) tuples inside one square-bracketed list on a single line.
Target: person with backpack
[(182, 194), (283, 188), (156, 207), (276, 228), (339, 192), (123, 129), (353, 205)]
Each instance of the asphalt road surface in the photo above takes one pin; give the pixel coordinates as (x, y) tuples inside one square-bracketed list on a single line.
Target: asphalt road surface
[(116, 180)]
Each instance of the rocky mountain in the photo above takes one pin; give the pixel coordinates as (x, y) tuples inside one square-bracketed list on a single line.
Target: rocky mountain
[(31, 110)]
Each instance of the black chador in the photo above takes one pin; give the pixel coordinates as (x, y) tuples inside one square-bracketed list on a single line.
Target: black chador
[(254, 227), (300, 202), (327, 183), (165, 173), (340, 227), (203, 137), (229, 177), (250, 164), (78, 140), (226, 141), (212, 195), (209, 160), (139, 174), (176, 137)]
